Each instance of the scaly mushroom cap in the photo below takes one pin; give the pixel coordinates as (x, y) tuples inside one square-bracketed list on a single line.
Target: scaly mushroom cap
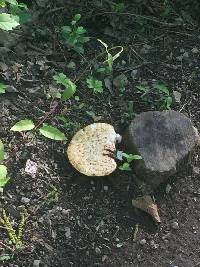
[(88, 149)]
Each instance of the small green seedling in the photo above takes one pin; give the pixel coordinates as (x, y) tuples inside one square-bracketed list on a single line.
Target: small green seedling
[(3, 88), (3, 169), (110, 58), (130, 114), (128, 158), (74, 35), (95, 85), (157, 91), (70, 87)]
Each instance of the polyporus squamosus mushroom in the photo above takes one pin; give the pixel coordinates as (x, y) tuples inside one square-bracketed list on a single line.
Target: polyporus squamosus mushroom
[(90, 150)]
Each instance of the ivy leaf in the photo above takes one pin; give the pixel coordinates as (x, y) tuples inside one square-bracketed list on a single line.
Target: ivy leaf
[(2, 88), (69, 91), (1, 151), (3, 176), (162, 88), (8, 21), (23, 125), (131, 157), (125, 167), (52, 132), (94, 84)]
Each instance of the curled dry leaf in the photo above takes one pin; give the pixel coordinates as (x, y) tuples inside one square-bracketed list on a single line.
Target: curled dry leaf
[(146, 204)]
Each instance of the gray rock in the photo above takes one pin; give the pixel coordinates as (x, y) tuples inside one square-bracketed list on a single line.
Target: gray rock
[(175, 225), (36, 263), (177, 97), (25, 200), (143, 242), (165, 140)]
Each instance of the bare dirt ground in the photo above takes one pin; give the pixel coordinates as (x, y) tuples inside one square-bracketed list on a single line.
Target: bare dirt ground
[(74, 221)]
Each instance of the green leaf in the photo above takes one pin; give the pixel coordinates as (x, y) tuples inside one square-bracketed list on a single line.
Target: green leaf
[(125, 167), (2, 88), (94, 84), (77, 17), (8, 22), (69, 91), (168, 102), (52, 132), (66, 30), (131, 157), (3, 176), (80, 30), (23, 125), (1, 151), (162, 88), (12, 2), (143, 88), (60, 78)]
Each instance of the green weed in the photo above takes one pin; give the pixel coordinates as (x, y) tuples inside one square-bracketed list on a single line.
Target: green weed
[(74, 36)]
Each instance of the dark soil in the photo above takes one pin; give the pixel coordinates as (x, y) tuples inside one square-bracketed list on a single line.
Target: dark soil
[(92, 223)]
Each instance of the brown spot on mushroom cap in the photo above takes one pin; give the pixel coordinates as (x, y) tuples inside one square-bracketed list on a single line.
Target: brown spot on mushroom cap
[(87, 151)]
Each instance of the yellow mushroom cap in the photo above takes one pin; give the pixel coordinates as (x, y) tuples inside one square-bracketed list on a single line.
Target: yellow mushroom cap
[(87, 149)]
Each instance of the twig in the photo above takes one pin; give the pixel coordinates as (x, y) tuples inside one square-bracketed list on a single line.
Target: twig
[(52, 110), (141, 17)]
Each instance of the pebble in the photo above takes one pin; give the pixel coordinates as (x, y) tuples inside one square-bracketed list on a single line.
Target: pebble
[(25, 200), (97, 250), (67, 232), (71, 65), (143, 242), (177, 97), (168, 188), (36, 263), (153, 244), (65, 212), (105, 188), (175, 225)]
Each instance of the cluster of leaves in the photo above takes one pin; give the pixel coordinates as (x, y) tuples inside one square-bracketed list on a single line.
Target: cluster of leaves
[(46, 130), (74, 36), (3, 88), (160, 91), (15, 13), (128, 158)]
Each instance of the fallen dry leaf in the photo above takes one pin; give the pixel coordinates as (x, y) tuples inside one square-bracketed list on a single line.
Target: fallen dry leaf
[(146, 204)]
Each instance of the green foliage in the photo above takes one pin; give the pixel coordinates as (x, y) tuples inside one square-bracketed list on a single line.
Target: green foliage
[(70, 87), (117, 7), (95, 85), (68, 124), (74, 35), (110, 58), (128, 159), (17, 13), (2, 88), (52, 132), (130, 114), (3, 169), (8, 21), (23, 125), (157, 91), (52, 196), (15, 236), (2, 153), (3, 176)]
